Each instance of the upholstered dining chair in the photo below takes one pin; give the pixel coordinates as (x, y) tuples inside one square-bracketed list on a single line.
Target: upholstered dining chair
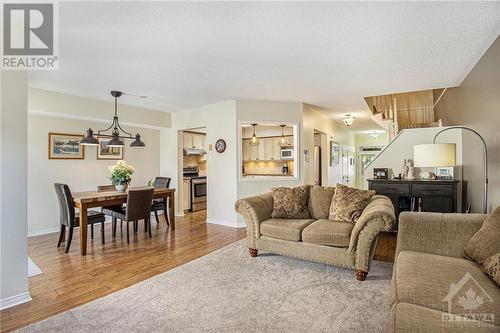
[(138, 208), (111, 188), (161, 204), (71, 219)]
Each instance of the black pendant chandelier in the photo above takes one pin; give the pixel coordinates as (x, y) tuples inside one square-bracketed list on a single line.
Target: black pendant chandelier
[(117, 133)]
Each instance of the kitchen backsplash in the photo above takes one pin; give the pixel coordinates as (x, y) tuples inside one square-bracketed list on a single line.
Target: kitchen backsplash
[(266, 168), (200, 161)]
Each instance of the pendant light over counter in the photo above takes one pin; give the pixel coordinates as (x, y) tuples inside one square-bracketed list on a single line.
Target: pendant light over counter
[(255, 140), (283, 140), (117, 133)]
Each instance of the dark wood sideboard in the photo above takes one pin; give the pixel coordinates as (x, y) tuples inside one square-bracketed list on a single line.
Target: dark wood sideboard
[(438, 196)]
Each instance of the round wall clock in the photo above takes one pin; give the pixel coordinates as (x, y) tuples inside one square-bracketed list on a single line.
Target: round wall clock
[(220, 146)]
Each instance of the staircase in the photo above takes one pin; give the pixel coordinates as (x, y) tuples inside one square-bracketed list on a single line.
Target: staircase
[(395, 112)]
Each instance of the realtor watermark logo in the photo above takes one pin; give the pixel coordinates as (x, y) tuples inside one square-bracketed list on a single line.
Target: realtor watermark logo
[(467, 302), (30, 35)]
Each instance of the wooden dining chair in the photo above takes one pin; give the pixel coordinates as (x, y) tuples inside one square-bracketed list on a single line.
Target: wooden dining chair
[(138, 208), (161, 204), (71, 219)]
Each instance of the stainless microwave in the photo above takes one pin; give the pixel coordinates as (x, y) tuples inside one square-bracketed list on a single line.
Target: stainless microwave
[(287, 154)]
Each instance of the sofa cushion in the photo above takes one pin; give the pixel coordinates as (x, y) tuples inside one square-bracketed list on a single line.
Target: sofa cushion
[(326, 232), (287, 229), (492, 267), (430, 280), (348, 203), (291, 202), (485, 242), (320, 199), (411, 318)]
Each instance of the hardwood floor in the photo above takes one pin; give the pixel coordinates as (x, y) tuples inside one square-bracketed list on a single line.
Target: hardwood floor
[(386, 247), (70, 280)]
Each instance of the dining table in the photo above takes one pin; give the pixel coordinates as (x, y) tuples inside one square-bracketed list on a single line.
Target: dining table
[(90, 199)]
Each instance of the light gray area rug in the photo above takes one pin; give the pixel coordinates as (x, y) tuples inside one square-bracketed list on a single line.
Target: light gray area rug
[(228, 291)]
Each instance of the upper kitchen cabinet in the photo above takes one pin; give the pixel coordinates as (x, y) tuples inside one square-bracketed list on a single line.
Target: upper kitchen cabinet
[(194, 140)]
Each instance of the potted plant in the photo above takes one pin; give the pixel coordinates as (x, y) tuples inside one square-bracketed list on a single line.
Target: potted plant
[(121, 174)]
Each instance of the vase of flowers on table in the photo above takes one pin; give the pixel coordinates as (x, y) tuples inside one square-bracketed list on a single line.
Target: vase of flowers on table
[(121, 174)]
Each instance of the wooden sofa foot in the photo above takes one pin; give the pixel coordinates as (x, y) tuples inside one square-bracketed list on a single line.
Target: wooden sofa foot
[(253, 252), (361, 275)]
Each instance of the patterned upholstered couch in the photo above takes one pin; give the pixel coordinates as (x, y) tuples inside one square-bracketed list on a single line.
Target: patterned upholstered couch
[(434, 285), (350, 245)]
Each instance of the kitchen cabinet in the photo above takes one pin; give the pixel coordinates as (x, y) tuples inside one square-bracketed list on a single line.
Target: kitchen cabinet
[(268, 149), (187, 140), (194, 140), (277, 149), (186, 195), (245, 150), (198, 141)]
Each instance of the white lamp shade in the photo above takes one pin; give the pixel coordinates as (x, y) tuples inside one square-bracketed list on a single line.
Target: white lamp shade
[(434, 155)]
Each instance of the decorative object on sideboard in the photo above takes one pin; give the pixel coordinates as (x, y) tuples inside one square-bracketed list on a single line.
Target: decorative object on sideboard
[(438, 158), (427, 175), (121, 175), (105, 152), (445, 173), (403, 169), (65, 147), (220, 146), (117, 132), (348, 119), (381, 173), (410, 172)]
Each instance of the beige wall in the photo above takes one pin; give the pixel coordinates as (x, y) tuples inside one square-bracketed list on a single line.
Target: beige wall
[(315, 120), (43, 102), (13, 184), (219, 121), (476, 104)]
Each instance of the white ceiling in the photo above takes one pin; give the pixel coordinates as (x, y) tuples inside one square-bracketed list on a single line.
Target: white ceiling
[(329, 54)]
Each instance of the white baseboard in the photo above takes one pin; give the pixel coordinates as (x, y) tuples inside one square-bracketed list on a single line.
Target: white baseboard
[(179, 214), (232, 224), (44, 231), (14, 300)]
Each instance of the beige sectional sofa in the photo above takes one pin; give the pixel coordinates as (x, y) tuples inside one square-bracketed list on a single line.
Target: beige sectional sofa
[(317, 239), (431, 277)]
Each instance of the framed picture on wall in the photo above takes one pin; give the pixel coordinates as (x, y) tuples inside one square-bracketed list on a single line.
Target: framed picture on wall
[(65, 147), (108, 153), (334, 153)]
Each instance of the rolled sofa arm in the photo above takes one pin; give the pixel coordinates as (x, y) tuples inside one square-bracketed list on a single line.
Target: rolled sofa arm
[(377, 216), (255, 210), (379, 209), (437, 233)]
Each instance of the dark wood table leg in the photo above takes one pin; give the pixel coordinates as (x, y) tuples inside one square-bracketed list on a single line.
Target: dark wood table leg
[(83, 229), (172, 210)]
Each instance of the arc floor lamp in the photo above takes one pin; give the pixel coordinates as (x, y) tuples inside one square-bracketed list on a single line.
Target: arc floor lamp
[(438, 151)]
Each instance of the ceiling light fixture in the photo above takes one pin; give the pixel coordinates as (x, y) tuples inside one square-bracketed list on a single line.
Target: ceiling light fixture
[(348, 119), (254, 141), (116, 137), (283, 140)]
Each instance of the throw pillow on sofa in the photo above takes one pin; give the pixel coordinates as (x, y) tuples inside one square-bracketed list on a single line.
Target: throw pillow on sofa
[(485, 242), (320, 199), (290, 203), (492, 267), (348, 203)]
